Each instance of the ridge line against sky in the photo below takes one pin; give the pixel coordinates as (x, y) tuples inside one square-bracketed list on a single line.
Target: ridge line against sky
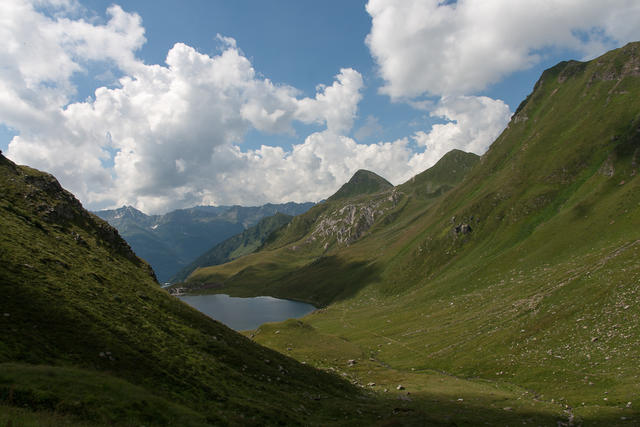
[(162, 106)]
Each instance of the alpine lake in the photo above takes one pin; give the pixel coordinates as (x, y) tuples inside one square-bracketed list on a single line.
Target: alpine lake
[(242, 314)]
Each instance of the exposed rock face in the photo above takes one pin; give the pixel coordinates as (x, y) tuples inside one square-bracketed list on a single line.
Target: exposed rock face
[(462, 229), (351, 221)]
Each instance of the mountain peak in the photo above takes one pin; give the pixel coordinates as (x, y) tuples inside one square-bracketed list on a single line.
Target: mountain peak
[(362, 182), (441, 177)]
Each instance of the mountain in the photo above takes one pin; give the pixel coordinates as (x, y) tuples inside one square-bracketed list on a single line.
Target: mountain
[(441, 177), (239, 245), (306, 247), (88, 337), (362, 182), (170, 241), (524, 273)]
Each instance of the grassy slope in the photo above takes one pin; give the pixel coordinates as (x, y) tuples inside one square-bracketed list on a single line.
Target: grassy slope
[(544, 292), (88, 337)]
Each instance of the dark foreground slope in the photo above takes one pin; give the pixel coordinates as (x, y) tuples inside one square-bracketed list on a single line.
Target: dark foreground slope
[(525, 273), (87, 335)]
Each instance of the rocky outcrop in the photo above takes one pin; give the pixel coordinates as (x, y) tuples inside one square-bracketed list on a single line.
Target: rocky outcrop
[(462, 229), (350, 222)]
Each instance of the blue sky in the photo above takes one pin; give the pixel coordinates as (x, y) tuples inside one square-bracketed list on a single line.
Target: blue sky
[(402, 82), (299, 43)]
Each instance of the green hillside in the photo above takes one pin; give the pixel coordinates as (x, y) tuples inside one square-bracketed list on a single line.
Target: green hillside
[(88, 338), (441, 177), (525, 273), (234, 247), (307, 260)]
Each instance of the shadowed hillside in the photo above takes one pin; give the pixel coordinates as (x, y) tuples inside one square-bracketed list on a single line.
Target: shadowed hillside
[(87, 333), (234, 247)]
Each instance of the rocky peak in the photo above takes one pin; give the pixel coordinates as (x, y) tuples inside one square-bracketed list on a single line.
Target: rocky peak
[(348, 222)]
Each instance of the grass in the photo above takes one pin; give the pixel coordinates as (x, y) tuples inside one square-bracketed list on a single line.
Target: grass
[(541, 297), (362, 182), (81, 315), (12, 416), (87, 395)]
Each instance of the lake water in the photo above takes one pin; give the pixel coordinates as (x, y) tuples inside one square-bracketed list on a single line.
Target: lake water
[(243, 314)]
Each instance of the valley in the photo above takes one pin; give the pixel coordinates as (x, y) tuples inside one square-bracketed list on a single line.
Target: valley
[(524, 273), (499, 289), (171, 242)]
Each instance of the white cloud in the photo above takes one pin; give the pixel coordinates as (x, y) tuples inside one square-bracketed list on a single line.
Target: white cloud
[(430, 47), (312, 170), (318, 167), (336, 105), (166, 136), (170, 136), (474, 123)]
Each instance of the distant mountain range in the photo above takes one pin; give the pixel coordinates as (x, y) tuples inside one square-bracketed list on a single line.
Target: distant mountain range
[(171, 241)]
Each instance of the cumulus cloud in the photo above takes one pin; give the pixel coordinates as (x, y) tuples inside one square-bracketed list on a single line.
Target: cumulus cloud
[(170, 135), (167, 135), (335, 105), (474, 122), (325, 160), (452, 48), (312, 170)]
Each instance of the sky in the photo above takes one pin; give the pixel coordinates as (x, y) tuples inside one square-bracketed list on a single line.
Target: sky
[(170, 104)]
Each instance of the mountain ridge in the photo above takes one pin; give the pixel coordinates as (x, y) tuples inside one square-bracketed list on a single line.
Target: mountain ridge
[(88, 335), (312, 238), (172, 240)]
